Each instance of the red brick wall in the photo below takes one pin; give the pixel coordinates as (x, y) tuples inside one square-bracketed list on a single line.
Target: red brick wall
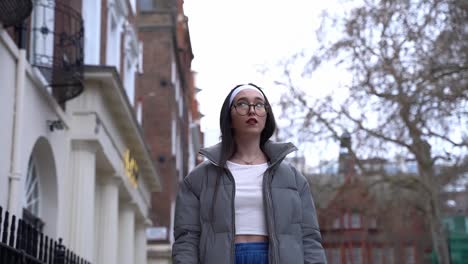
[(158, 105), (397, 227), (161, 41)]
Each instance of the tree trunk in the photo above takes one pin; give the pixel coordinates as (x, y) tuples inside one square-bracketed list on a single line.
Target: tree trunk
[(439, 235)]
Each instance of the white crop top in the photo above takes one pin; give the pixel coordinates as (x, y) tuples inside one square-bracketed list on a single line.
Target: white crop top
[(248, 201)]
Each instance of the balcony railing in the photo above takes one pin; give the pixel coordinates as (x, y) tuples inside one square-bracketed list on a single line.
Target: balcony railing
[(58, 47), (21, 243)]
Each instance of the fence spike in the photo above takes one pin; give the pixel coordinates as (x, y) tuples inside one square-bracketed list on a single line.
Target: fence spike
[(12, 231), (26, 244), (23, 237), (46, 249), (1, 213), (41, 245), (68, 256), (5, 227), (35, 243), (30, 239), (51, 251), (19, 233)]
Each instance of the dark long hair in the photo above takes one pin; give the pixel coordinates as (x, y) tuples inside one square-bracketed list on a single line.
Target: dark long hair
[(228, 146)]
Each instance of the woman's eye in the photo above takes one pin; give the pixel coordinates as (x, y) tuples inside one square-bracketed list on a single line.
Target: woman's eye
[(242, 104)]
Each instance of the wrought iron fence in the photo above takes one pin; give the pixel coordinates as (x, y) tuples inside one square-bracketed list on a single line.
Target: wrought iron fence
[(21, 243)]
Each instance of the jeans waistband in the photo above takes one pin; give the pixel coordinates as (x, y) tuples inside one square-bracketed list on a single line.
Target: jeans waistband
[(252, 246)]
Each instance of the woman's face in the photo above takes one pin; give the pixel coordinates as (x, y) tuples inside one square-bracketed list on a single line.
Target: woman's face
[(248, 119)]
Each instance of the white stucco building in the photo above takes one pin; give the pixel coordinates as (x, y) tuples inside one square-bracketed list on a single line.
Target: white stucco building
[(79, 169)]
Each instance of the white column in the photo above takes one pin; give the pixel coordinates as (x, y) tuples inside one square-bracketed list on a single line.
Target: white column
[(108, 221), (83, 180), (126, 233), (140, 244)]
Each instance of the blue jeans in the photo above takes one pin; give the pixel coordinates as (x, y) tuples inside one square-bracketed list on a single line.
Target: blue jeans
[(252, 253)]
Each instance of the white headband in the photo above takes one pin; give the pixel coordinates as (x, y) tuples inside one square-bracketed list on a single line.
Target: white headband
[(241, 88)]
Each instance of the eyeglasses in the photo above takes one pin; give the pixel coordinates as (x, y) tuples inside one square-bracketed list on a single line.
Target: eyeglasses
[(243, 108)]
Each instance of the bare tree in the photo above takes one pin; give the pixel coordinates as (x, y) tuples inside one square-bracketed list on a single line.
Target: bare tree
[(408, 60)]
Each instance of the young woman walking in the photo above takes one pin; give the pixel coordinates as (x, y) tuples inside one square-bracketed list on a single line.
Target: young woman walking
[(245, 205)]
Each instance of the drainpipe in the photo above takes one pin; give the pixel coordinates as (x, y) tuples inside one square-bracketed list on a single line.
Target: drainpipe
[(15, 174)]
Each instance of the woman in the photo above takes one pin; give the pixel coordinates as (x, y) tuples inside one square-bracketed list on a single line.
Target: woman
[(245, 204)]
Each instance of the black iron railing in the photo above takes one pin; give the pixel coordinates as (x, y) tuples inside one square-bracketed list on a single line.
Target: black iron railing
[(22, 243), (58, 47)]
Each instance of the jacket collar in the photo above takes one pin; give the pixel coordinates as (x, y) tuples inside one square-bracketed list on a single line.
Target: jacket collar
[(275, 152)]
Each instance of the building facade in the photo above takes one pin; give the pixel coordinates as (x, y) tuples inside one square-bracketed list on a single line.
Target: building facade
[(362, 220), (75, 163), (167, 86)]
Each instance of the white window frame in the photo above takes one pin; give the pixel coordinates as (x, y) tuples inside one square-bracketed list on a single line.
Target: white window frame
[(113, 44), (173, 135), (32, 189), (355, 220)]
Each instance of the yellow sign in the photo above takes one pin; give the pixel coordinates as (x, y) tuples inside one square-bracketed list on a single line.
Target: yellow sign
[(131, 168)]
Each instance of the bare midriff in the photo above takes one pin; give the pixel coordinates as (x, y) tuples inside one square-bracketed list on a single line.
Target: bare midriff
[(250, 238)]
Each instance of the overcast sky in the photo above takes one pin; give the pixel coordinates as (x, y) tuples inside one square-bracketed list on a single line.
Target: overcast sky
[(231, 40)]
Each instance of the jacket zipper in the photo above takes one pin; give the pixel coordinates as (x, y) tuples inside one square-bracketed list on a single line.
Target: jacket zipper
[(233, 215), (270, 219)]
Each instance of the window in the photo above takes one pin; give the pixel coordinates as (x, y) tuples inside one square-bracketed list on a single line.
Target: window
[(409, 255), (376, 255), (346, 221), (466, 224), (356, 255), (42, 36), (334, 256), (140, 57), (147, 5), (173, 135), (355, 220), (32, 197), (133, 5), (113, 39), (389, 256), (152, 5), (139, 110), (348, 255), (130, 81), (336, 223)]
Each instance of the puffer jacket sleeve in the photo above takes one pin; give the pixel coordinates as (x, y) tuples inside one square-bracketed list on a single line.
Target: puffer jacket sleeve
[(311, 237), (186, 226)]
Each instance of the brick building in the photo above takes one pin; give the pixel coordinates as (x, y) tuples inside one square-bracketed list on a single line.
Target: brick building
[(166, 94), (365, 223), (75, 163)]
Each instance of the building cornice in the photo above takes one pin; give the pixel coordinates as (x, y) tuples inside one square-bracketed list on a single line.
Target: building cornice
[(113, 91)]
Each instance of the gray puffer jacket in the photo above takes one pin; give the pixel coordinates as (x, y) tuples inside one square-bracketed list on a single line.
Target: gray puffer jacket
[(293, 229)]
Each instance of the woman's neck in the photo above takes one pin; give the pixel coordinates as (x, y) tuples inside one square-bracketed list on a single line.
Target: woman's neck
[(248, 151)]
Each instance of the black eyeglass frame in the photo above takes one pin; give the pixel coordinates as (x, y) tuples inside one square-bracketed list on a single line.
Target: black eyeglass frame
[(254, 107)]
